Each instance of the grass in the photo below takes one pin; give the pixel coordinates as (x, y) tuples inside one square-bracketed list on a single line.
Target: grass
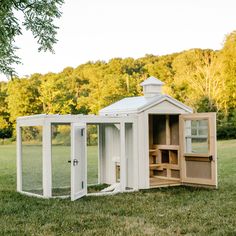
[(167, 211), (32, 168)]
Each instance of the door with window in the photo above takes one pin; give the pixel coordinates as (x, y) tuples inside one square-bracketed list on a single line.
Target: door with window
[(78, 161), (198, 149)]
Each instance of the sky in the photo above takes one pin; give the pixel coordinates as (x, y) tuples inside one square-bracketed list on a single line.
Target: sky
[(93, 30)]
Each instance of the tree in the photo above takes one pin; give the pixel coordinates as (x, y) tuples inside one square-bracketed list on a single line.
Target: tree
[(38, 17), (5, 124), (54, 94), (197, 79), (23, 97), (228, 55)]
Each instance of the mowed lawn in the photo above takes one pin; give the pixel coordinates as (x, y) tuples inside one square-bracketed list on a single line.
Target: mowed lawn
[(166, 211), (32, 168)]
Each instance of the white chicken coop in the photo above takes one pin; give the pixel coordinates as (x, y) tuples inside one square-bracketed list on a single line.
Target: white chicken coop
[(143, 142)]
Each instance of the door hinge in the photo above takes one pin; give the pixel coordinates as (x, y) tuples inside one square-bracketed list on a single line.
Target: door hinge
[(82, 132), (82, 184)]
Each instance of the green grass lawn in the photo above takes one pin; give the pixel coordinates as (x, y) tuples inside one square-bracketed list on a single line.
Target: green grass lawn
[(32, 168), (166, 211)]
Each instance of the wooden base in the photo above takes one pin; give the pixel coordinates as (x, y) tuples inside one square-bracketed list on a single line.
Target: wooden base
[(161, 182)]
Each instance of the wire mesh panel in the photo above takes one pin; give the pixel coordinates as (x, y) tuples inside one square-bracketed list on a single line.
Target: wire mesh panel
[(61, 156), (92, 154), (129, 155), (32, 159)]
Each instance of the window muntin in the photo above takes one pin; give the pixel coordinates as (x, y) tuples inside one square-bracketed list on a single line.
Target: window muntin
[(197, 136)]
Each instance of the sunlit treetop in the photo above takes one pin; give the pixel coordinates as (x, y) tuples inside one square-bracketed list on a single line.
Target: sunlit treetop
[(38, 17)]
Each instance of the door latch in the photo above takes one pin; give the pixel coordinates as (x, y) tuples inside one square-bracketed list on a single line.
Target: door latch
[(75, 162)]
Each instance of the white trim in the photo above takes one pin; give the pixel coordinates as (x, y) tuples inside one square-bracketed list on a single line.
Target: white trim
[(100, 153), (111, 193), (47, 160), (135, 156), (123, 160), (38, 120), (32, 194), (146, 149), (153, 101), (19, 158)]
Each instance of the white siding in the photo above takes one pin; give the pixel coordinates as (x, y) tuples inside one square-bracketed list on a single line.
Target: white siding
[(110, 153), (166, 107)]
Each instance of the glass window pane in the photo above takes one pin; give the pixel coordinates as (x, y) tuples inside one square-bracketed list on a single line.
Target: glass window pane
[(203, 132), (196, 136), (61, 154), (32, 159), (194, 131), (194, 123), (203, 123), (197, 145)]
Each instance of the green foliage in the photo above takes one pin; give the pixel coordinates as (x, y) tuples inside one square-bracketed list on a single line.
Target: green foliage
[(5, 124), (32, 134), (37, 16), (23, 97), (202, 79), (227, 125), (228, 58)]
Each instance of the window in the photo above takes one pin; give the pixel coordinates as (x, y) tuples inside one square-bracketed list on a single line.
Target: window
[(196, 136)]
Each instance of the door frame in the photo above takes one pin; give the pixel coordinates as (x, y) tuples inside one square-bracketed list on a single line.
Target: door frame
[(212, 149)]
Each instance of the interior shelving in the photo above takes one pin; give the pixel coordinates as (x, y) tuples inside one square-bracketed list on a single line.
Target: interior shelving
[(164, 165)]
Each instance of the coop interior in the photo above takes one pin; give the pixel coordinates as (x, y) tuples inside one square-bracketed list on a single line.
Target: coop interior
[(164, 163)]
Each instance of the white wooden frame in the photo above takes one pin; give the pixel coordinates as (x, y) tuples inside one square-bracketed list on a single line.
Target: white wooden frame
[(46, 121)]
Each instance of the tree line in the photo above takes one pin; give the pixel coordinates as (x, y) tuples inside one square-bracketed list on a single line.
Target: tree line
[(203, 79)]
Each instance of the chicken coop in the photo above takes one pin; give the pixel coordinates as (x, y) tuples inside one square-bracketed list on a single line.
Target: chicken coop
[(141, 142)]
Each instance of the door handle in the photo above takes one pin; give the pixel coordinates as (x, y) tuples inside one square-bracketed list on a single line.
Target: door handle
[(75, 162)]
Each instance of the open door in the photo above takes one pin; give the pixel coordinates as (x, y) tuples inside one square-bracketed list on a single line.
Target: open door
[(78, 161), (198, 149)]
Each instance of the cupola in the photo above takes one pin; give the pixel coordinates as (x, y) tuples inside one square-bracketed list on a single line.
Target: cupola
[(152, 87)]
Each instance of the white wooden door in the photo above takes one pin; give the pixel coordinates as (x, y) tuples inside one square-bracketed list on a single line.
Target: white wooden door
[(78, 161), (198, 154)]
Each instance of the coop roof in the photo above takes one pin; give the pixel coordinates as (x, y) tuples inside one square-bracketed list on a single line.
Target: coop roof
[(133, 105)]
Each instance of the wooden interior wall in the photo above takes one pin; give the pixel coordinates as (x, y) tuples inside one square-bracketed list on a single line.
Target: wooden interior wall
[(174, 129), (159, 129), (164, 149)]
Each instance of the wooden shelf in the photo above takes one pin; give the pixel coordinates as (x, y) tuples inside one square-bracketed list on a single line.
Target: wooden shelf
[(155, 165), (196, 155), (155, 182), (152, 150), (168, 147), (164, 163)]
